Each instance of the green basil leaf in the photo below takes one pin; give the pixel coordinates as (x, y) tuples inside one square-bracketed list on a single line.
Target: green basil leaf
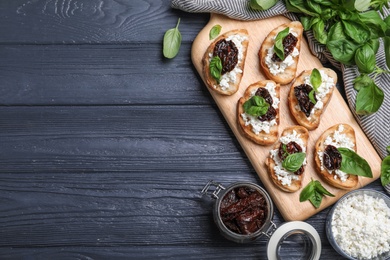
[(362, 5), (387, 49), (172, 42), (293, 162), (336, 32), (374, 43), (262, 4), (324, 2), (328, 13), (374, 21), (322, 190), (342, 50), (385, 171), (311, 96), (316, 199), (216, 68), (214, 32), (352, 163), (307, 192), (278, 47), (299, 6), (314, 7), (256, 106), (365, 59), (362, 81), (315, 79), (369, 99), (356, 31), (319, 32)]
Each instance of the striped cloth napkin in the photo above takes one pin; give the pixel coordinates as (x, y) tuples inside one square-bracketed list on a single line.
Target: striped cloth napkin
[(376, 126)]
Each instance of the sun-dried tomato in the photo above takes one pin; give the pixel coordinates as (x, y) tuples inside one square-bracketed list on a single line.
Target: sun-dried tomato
[(228, 53), (331, 158), (289, 42), (271, 113), (302, 94)]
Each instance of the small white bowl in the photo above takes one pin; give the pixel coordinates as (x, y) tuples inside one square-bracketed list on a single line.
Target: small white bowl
[(329, 233)]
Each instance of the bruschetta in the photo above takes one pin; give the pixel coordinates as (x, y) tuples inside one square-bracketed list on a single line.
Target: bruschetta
[(292, 140), (328, 160), (307, 101), (260, 128), (283, 69), (224, 62)]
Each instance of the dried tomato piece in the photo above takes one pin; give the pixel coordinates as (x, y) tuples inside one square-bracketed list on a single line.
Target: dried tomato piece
[(331, 158), (271, 113), (228, 53), (289, 42), (302, 94)]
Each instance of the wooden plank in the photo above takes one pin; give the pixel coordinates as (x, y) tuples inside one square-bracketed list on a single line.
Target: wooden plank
[(337, 112), (97, 74), (95, 21), (129, 138)]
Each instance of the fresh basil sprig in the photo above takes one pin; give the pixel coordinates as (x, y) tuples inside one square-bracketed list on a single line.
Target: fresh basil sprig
[(172, 42), (214, 32), (294, 161), (385, 169), (256, 106), (278, 47), (311, 96), (315, 79), (314, 192), (352, 163), (216, 68), (351, 31)]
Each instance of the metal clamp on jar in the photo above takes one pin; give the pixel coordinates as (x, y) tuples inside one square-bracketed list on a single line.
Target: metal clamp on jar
[(243, 212)]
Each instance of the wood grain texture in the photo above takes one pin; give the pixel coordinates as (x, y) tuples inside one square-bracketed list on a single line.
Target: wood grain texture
[(92, 21), (337, 112)]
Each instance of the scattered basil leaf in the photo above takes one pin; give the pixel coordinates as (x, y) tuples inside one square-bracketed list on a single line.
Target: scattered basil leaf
[(314, 192), (172, 42), (369, 99), (385, 171), (278, 47), (352, 163), (214, 32), (216, 68), (311, 96), (294, 161), (365, 59), (314, 6), (262, 4), (363, 80), (336, 32), (374, 43), (374, 21), (256, 106), (315, 79)]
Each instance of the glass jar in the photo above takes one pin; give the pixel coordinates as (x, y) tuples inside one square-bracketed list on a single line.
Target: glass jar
[(292, 240)]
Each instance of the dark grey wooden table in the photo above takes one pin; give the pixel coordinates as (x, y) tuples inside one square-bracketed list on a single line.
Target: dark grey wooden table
[(105, 145)]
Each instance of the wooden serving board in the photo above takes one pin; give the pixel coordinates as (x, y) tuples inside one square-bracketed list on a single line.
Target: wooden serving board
[(336, 112)]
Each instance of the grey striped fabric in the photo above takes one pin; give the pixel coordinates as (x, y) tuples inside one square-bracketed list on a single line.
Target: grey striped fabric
[(376, 126)]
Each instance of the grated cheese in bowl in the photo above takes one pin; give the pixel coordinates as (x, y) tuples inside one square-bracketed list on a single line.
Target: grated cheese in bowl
[(358, 226)]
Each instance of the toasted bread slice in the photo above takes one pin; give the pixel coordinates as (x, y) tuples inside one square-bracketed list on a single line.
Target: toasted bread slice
[(273, 159), (286, 76), (313, 121), (320, 146), (260, 137), (227, 87)]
